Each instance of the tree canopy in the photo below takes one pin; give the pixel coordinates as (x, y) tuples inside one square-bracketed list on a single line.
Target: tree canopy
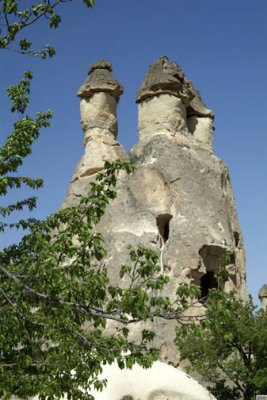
[(56, 299), (228, 347)]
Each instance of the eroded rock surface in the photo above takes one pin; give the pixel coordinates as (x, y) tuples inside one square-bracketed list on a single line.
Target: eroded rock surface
[(178, 201), (169, 104), (99, 96), (263, 296)]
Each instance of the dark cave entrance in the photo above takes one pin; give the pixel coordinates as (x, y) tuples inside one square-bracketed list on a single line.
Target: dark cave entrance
[(163, 224)]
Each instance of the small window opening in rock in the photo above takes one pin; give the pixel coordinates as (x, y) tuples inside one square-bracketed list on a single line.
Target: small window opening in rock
[(163, 224), (236, 236), (207, 282)]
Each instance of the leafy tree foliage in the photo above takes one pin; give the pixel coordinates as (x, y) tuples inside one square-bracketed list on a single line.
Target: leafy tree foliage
[(228, 347), (17, 146), (16, 17), (56, 298)]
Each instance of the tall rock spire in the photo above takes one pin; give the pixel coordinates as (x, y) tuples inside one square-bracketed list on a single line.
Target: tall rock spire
[(169, 104), (99, 96), (263, 297), (178, 201), (200, 120), (162, 101)]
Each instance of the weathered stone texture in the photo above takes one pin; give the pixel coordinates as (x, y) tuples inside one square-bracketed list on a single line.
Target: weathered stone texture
[(100, 79), (191, 192), (202, 130), (178, 201), (164, 114), (169, 104), (103, 119), (165, 78), (263, 296), (98, 106)]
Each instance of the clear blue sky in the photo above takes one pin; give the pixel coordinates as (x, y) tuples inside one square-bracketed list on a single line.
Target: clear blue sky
[(221, 46)]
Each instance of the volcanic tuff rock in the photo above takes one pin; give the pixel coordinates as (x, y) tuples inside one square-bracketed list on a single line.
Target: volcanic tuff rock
[(179, 200), (263, 296), (99, 95)]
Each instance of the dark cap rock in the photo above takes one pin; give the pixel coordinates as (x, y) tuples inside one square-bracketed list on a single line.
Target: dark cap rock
[(100, 79), (197, 106), (164, 77)]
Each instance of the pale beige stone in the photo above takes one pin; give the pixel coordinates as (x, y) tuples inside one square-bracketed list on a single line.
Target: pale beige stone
[(178, 201), (98, 115), (99, 96), (164, 114), (202, 131), (97, 150), (263, 297), (157, 200)]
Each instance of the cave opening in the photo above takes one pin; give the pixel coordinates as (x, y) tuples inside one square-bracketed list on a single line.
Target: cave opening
[(237, 238), (208, 281), (213, 258), (163, 224)]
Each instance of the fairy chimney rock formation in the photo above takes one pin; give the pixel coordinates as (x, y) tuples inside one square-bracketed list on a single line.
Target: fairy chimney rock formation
[(169, 104), (178, 201), (263, 297), (99, 96), (162, 101)]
